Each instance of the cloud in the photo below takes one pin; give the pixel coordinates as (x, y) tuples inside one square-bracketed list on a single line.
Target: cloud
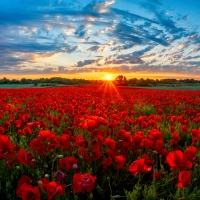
[(97, 48), (185, 17), (85, 62), (102, 31), (195, 49), (138, 36), (152, 55), (123, 47), (184, 45), (132, 17)]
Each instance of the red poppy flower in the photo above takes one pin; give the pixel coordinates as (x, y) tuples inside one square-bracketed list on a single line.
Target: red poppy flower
[(36, 144), (92, 124), (67, 163), (137, 138), (28, 192), (176, 136), (110, 143), (175, 160), (6, 125), (194, 132), (84, 153), (184, 128), (148, 161), (179, 160), (42, 150), (64, 142), (147, 143), (155, 134), (27, 131), (120, 160), (24, 179), (2, 130), (83, 182), (112, 153), (25, 157), (80, 141), (139, 166), (44, 135), (6, 146), (96, 152), (156, 175), (172, 128), (184, 179), (26, 117), (190, 153), (54, 188), (106, 162)]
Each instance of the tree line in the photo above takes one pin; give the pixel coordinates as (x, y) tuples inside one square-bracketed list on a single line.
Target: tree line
[(120, 80), (123, 81), (53, 80)]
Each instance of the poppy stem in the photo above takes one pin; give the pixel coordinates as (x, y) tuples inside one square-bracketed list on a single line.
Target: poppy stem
[(183, 193), (139, 177), (108, 179)]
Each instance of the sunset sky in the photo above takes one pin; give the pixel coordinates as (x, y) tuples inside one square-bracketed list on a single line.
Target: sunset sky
[(90, 39)]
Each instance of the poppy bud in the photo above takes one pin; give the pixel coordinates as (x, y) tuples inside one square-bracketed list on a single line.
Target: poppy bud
[(39, 183), (46, 175), (116, 197), (60, 156), (91, 196), (75, 166)]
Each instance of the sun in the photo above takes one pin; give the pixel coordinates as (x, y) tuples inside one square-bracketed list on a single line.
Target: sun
[(108, 77)]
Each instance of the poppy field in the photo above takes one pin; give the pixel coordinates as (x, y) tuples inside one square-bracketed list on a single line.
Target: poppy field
[(99, 143)]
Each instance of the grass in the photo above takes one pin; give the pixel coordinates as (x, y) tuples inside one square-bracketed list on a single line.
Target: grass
[(187, 87), (16, 85)]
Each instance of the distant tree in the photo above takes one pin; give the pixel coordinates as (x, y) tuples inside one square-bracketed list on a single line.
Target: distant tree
[(132, 81), (120, 80), (5, 80)]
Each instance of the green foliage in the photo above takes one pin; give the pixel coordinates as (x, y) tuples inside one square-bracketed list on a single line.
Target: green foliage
[(144, 109)]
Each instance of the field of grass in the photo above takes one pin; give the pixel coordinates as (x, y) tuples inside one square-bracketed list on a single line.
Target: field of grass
[(16, 85), (165, 87), (40, 85)]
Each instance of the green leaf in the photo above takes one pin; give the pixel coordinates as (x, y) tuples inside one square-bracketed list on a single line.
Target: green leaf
[(198, 154)]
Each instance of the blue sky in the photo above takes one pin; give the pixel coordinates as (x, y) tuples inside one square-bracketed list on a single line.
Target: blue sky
[(88, 39)]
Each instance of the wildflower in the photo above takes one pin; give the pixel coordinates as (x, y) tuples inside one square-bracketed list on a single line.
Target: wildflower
[(139, 166), (184, 179), (83, 182)]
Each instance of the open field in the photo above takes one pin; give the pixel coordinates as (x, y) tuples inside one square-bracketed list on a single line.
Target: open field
[(16, 85), (40, 85), (99, 143), (166, 87), (153, 87)]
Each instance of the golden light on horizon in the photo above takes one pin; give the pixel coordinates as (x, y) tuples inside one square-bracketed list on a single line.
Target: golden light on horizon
[(108, 77)]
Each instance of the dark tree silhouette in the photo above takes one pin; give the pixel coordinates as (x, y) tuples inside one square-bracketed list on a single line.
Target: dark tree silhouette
[(120, 80)]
